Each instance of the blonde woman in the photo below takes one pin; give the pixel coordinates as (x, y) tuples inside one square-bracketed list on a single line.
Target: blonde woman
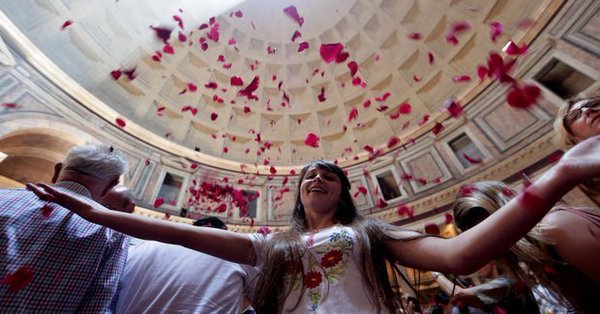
[(332, 259), (576, 120), (563, 250)]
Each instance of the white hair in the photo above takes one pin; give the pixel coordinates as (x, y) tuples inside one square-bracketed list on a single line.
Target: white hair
[(101, 161)]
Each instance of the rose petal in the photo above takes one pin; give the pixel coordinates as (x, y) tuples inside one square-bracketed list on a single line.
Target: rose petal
[(437, 128), (66, 24), (461, 78), (312, 140), (321, 95), (453, 108), (158, 202), (214, 116), (19, 279), (430, 57), (393, 141), (292, 12), (523, 97), (116, 74), (353, 66), (296, 35), (353, 114), (513, 50), (329, 52), (496, 30), (302, 46), (120, 122), (162, 33), (472, 160), (236, 81), (415, 36)]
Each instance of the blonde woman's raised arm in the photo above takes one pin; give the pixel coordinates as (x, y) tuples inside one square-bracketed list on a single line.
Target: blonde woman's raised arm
[(472, 249)]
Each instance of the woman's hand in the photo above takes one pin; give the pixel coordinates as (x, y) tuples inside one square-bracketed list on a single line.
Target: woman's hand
[(47, 193)]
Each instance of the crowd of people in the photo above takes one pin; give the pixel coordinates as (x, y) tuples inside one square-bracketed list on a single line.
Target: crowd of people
[(64, 246)]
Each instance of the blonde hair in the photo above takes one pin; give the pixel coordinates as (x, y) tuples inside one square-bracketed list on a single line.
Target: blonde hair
[(533, 249)]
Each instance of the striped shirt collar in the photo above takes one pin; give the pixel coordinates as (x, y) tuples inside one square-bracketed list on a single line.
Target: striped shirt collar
[(75, 187)]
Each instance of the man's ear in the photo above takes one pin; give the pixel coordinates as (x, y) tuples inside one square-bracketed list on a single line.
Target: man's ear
[(110, 185), (57, 169), (130, 207)]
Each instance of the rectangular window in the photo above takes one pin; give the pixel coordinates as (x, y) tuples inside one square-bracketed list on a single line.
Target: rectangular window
[(388, 186), (170, 188), (465, 151), (562, 79)]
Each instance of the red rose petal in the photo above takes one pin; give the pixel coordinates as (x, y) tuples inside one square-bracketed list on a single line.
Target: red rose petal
[(19, 279), (296, 35), (47, 210), (214, 116), (393, 141), (158, 202), (496, 30), (116, 74), (353, 66), (321, 95), (236, 81), (302, 46), (272, 170), (415, 36), (453, 108), (353, 114), (162, 33), (192, 87), (513, 50), (472, 160), (523, 97), (461, 78), (248, 90), (437, 128), (431, 228), (329, 52), (120, 122), (312, 140), (292, 12), (430, 57), (66, 24), (381, 203)]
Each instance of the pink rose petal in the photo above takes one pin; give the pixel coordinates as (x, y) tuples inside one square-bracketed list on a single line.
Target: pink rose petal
[(292, 12), (329, 52), (312, 140)]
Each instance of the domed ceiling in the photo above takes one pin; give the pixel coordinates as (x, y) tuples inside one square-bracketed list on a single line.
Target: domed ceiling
[(274, 82)]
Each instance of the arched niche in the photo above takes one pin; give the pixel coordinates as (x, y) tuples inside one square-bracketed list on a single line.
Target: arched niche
[(34, 146)]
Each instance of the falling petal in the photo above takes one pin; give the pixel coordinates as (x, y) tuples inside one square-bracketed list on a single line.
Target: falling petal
[(367, 103), (214, 116), (430, 57), (192, 87), (120, 122), (292, 12), (296, 35), (353, 114), (393, 141), (461, 78), (168, 49), (523, 97), (431, 228), (312, 140), (248, 90), (513, 50), (273, 170), (158, 202), (353, 66), (211, 85), (236, 81), (321, 95), (453, 108), (19, 279), (66, 24), (116, 74), (415, 36), (417, 78), (341, 57), (162, 33), (302, 46), (381, 203), (496, 30), (329, 52), (472, 160), (437, 128), (47, 210)]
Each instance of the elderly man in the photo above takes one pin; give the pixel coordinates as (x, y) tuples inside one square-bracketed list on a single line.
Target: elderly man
[(52, 260)]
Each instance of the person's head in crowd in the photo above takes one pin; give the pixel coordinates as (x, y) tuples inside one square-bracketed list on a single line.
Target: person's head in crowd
[(212, 222), (323, 188), (119, 198), (482, 199), (577, 119), (98, 167)]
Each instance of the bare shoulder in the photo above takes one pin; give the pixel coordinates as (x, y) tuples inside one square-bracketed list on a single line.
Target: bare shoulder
[(565, 220)]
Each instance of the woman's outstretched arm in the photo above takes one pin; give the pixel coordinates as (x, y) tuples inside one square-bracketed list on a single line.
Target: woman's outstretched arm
[(224, 244), (472, 249)]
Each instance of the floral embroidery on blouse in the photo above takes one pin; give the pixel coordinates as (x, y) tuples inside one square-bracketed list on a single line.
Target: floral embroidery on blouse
[(326, 264)]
